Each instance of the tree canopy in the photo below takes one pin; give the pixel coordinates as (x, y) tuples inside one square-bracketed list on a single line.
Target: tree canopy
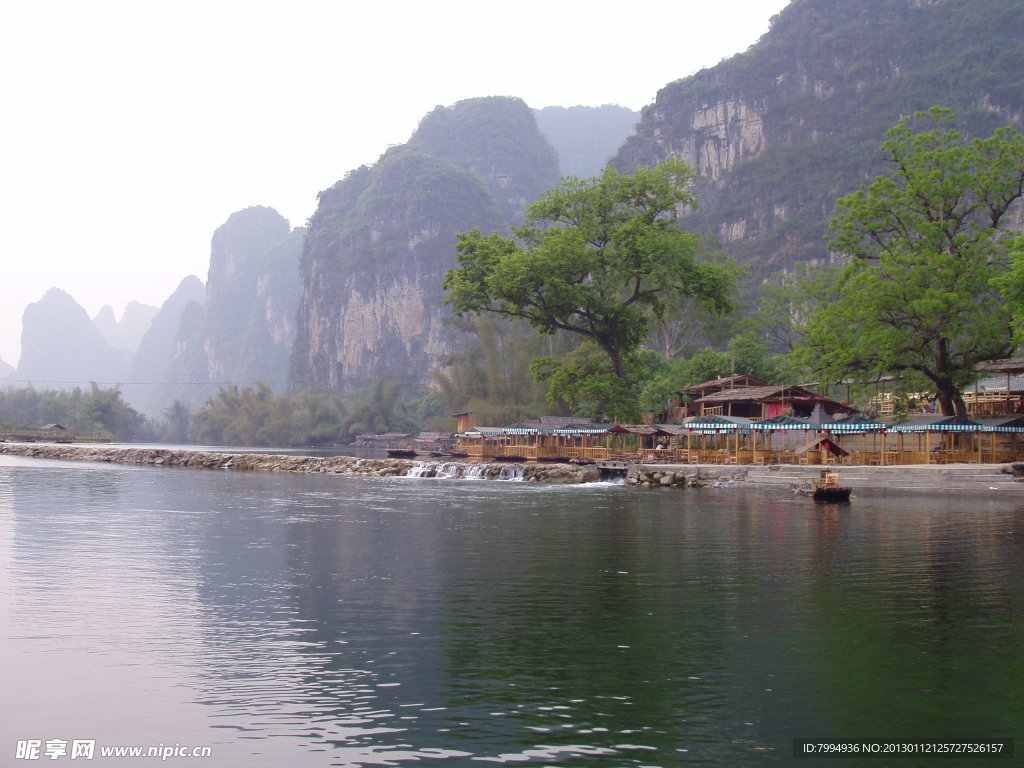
[(598, 257), (920, 294)]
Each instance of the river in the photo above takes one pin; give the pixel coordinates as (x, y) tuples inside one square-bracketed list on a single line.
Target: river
[(293, 620)]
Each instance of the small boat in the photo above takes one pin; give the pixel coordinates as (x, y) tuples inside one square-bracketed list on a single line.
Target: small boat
[(401, 453), (825, 488)]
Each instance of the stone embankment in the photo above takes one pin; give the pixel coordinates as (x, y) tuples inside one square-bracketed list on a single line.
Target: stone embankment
[(960, 479), (681, 476), (333, 465)]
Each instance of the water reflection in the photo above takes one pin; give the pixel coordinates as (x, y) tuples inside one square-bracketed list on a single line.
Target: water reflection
[(314, 621)]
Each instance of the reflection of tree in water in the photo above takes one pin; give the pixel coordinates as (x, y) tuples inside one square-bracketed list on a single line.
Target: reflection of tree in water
[(897, 620), (611, 621)]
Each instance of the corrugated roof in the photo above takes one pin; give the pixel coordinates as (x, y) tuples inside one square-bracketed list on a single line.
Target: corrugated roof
[(720, 424), (1009, 365), (727, 381), (786, 422), (755, 393), (1004, 424), (936, 424)]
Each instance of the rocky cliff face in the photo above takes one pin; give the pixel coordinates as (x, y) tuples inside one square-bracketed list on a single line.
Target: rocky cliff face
[(381, 239), (243, 329), (777, 133), (242, 257)]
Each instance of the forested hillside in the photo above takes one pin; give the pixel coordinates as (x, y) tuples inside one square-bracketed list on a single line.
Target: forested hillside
[(382, 237)]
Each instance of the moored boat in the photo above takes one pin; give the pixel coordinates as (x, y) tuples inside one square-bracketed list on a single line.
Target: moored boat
[(825, 488)]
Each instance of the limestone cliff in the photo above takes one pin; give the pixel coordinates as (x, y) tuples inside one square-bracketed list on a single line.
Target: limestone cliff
[(240, 251), (496, 140), (780, 131), (381, 239)]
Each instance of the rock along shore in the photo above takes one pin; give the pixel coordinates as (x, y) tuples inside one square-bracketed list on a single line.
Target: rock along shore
[(333, 465)]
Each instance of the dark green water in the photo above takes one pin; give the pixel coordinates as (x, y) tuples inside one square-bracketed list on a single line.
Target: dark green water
[(314, 621)]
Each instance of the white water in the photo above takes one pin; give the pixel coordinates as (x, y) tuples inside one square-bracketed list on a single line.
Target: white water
[(456, 471)]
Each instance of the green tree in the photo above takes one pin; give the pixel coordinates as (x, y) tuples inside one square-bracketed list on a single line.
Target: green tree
[(583, 380), (599, 258), (788, 302), (919, 296), (746, 353), (493, 378), (688, 324), (662, 379), (107, 410), (178, 420)]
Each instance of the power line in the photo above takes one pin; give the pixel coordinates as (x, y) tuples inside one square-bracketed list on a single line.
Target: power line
[(144, 383)]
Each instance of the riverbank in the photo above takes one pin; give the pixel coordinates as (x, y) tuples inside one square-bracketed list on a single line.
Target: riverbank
[(944, 478), (333, 465)]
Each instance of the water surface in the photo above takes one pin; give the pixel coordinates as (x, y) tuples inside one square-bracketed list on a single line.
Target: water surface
[(336, 621)]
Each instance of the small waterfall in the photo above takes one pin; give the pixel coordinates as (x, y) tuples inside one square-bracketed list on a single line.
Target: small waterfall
[(514, 472), (449, 470), (456, 471)]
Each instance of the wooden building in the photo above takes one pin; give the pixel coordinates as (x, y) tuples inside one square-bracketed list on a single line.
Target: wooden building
[(765, 401)]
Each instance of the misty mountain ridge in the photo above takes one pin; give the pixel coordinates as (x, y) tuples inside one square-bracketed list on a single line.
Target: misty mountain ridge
[(157, 347), (585, 138), (240, 329), (61, 346), (241, 325), (127, 332)]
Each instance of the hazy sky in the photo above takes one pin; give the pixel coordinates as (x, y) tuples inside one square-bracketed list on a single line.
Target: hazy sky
[(133, 129)]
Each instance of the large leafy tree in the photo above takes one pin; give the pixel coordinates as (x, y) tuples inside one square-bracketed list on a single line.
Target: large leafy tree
[(597, 257), (919, 297), (789, 301)]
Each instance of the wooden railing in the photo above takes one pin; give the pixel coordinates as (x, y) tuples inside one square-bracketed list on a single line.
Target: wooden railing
[(744, 456), (573, 452), (989, 405)]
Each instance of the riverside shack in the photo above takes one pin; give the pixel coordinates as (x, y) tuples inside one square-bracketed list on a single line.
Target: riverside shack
[(748, 397)]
